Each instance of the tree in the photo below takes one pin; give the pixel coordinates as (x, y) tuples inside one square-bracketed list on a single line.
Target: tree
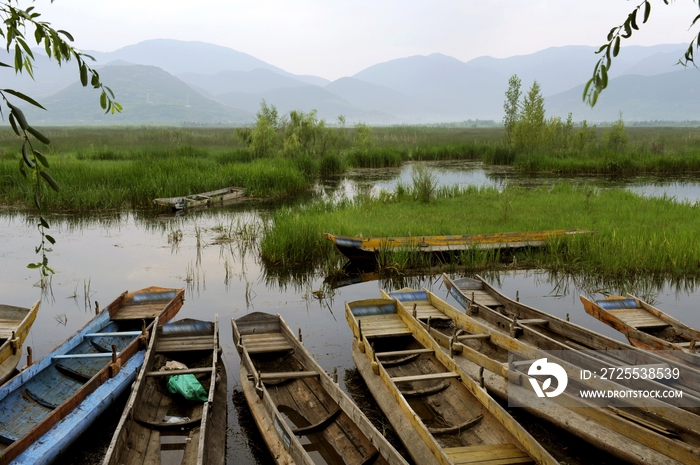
[(610, 50), (510, 107), (33, 165), (528, 131)]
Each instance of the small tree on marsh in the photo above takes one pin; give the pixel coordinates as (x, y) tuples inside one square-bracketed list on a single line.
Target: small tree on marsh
[(510, 108), (528, 131)]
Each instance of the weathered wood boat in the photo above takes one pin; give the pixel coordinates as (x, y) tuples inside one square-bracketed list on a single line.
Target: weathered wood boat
[(205, 199), (158, 426), (630, 433), (49, 404), (367, 248), (15, 323), (440, 413), (290, 395), (647, 327), (487, 305)]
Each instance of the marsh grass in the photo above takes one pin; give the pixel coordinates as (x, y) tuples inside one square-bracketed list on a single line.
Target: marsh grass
[(634, 236)]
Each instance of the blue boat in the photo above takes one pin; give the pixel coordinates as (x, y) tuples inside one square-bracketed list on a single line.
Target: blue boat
[(48, 405)]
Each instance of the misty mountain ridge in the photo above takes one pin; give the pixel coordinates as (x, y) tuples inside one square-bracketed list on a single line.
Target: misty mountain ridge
[(165, 81)]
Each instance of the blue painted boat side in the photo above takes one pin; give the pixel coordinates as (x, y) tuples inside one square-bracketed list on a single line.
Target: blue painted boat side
[(97, 323), (409, 296), (66, 431)]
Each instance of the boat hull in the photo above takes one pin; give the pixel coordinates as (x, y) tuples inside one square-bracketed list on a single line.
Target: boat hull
[(159, 426), (205, 199), (61, 382), (11, 349), (364, 249)]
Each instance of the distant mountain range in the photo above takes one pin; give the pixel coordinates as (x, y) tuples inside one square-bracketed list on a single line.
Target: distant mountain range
[(171, 82)]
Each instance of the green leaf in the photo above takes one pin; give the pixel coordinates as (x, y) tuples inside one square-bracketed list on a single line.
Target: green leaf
[(604, 76), (647, 11), (95, 81), (50, 239), (103, 100), (34, 266), (616, 47), (611, 34), (24, 97), (633, 20), (628, 28), (83, 75), (13, 123), (47, 177), (37, 200), (67, 34), (4, 65), (43, 222), (585, 89), (42, 159), (111, 94), (42, 138), (18, 58), (19, 115), (25, 155)]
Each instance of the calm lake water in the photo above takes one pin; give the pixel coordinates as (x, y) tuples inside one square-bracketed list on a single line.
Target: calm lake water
[(98, 257)]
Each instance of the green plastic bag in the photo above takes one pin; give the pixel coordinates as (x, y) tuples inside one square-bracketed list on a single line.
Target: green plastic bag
[(188, 386)]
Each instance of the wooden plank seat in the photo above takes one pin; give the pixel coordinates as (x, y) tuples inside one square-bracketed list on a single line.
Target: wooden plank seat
[(289, 375), (384, 326), (534, 322), (265, 343), (638, 318), (188, 371), (398, 353), (185, 343), (425, 377), (117, 333), (487, 454), (467, 337), (484, 298)]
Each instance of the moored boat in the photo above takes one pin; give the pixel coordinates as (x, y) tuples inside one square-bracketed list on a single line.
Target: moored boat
[(489, 306), (283, 385), (440, 413), (367, 248), (629, 433), (647, 327), (159, 426), (15, 323), (49, 404), (205, 199)]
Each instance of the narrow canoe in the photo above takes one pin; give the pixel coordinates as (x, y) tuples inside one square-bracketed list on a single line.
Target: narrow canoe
[(283, 385), (15, 323), (647, 327), (367, 248), (158, 426), (447, 418), (49, 404), (474, 346), (487, 305), (205, 199)]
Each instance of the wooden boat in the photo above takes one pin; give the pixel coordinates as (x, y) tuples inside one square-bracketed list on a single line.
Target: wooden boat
[(630, 433), (160, 427), (48, 405), (15, 323), (487, 305), (440, 413), (647, 327), (290, 397), (205, 199), (367, 248)]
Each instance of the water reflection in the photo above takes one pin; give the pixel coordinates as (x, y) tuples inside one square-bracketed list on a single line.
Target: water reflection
[(213, 254)]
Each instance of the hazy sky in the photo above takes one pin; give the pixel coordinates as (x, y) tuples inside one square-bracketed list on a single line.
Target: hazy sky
[(336, 38)]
